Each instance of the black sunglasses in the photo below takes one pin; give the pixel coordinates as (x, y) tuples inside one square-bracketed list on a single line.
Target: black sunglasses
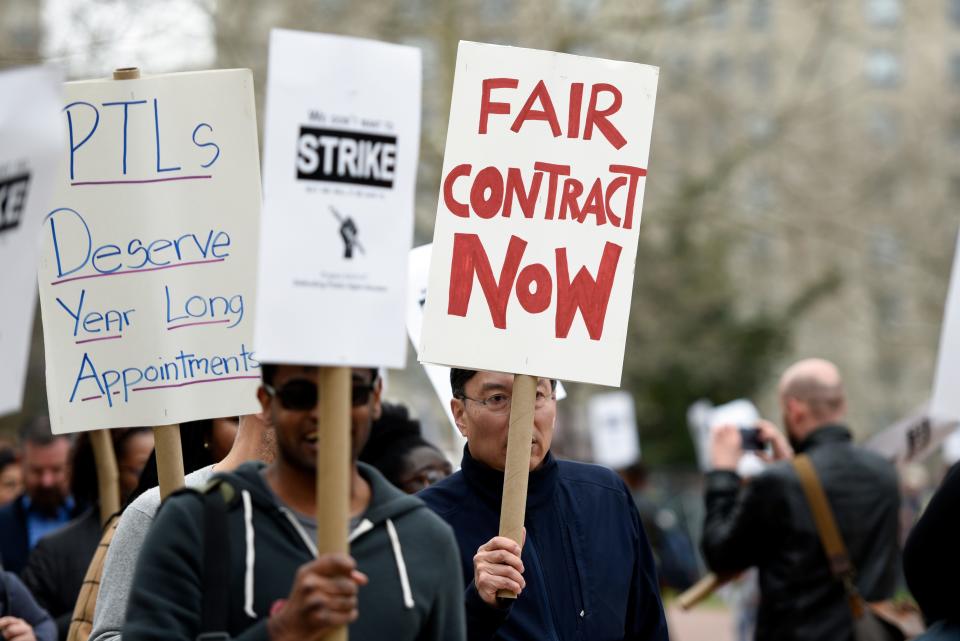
[(301, 394)]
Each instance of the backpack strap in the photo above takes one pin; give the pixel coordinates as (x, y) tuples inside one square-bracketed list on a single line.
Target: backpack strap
[(217, 496), (833, 546)]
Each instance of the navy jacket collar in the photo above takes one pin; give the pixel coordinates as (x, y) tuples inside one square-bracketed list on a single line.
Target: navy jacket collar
[(834, 433), (488, 482)]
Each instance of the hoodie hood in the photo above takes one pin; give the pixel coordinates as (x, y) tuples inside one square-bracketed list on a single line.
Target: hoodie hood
[(387, 505)]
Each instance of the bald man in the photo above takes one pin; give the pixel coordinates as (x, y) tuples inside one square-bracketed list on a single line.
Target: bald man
[(767, 523)]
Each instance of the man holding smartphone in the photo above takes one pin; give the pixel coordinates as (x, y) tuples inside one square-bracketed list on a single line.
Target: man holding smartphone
[(767, 522)]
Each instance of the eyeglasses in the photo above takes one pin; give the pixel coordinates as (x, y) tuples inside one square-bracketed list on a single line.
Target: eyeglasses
[(499, 403), (300, 394)]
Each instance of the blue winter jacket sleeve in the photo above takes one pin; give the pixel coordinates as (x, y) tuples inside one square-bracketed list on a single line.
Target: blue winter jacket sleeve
[(22, 605), (483, 620)]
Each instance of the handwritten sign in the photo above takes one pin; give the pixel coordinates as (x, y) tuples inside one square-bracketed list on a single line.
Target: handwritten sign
[(340, 163), (539, 213), (148, 255), (32, 137), (946, 386)]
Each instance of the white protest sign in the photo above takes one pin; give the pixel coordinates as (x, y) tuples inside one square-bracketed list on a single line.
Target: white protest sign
[(946, 385), (32, 133), (613, 429), (340, 164), (539, 213), (148, 256)]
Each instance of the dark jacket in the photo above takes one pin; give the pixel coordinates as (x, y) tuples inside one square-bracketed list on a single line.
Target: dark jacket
[(14, 541), (15, 600), (407, 552), (58, 564), (931, 561), (767, 523), (588, 569)]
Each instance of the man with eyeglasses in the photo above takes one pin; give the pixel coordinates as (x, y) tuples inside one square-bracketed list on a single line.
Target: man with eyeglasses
[(585, 570), (262, 578)]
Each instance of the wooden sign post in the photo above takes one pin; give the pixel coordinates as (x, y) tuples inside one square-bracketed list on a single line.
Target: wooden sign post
[(516, 474), (108, 477), (333, 465)]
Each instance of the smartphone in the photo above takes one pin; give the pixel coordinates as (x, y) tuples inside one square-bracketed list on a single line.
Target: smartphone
[(750, 439)]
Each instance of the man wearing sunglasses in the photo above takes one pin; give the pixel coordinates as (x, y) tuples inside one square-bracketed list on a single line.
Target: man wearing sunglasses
[(263, 578), (585, 570)]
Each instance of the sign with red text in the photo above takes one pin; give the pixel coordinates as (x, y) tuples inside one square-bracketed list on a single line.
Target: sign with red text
[(539, 213), (148, 256), (946, 384), (340, 166), (32, 136)]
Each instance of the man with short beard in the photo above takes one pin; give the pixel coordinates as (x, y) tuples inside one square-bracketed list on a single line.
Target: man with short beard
[(45, 504), (768, 523)]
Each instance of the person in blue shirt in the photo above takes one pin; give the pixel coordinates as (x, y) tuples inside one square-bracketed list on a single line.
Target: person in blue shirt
[(585, 570), (45, 504)]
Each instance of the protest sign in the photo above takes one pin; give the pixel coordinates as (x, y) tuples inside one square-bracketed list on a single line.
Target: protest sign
[(147, 263), (913, 438), (340, 163), (32, 135), (540, 197), (613, 429), (946, 387), (539, 213)]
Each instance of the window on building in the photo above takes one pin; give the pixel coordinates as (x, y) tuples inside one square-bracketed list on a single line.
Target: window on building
[(883, 68), (720, 14), (883, 13), (721, 70), (884, 247), (759, 126), (759, 16), (675, 7), (761, 72), (680, 68), (883, 124), (953, 8), (955, 70)]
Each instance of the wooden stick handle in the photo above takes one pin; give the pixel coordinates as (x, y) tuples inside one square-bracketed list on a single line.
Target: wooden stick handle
[(516, 474), (700, 591), (126, 73), (166, 443), (333, 466), (108, 477)]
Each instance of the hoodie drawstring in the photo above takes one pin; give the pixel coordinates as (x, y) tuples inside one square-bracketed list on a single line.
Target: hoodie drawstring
[(401, 565), (362, 528), (251, 556)]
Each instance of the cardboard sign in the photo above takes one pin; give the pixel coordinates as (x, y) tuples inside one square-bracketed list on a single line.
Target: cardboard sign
[(613, 429), (340, 164), (946, 387), (147, 264), (539, 213), (32, 136)]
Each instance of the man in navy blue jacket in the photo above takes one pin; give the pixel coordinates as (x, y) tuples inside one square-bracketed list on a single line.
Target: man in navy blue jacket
[(585, 571)]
